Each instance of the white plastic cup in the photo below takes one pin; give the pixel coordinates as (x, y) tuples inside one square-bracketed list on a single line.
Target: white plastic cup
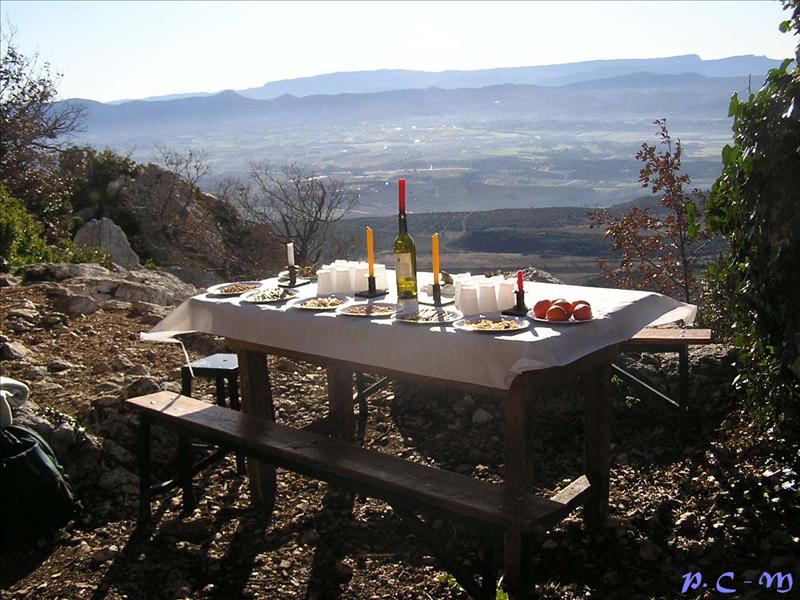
[(360, 282), (487, 298), (459, 279), (505, 294), (468, 300), (381, 280), (324, 282), (341, 280)]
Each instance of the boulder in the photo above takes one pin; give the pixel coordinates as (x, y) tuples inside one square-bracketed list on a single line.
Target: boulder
[(141, 386), (67, 301), (176, 290), (133, 291), (7, 280), (106, 234), (98, 287), (13, 351), (481, 417), (61, 271)]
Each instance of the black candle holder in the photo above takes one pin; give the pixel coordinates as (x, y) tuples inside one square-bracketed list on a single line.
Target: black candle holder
[(293, 281), (372, 292), (519, 309), (437, 297)]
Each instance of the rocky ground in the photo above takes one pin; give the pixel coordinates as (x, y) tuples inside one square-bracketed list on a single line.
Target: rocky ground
[(703, 490)]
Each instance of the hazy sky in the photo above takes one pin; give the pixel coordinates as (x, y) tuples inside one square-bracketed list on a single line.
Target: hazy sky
[(114, 50)]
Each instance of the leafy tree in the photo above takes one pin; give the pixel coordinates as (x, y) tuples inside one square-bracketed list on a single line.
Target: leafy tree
[(299, 205), (103, 177), (754, 204), (658, 253), (33, 127)]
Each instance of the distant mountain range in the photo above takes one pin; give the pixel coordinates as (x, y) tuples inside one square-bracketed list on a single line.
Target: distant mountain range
[(637, 94), (364, 82), (561, 135)]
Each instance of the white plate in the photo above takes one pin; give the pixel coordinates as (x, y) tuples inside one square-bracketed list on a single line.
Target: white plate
[(288, 294), (298, 303), (216, 290), (448, 316), (521, 322), (342, 310)]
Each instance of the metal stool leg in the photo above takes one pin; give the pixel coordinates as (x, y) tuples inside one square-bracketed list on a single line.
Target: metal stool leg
[(233, 392), (362, 405), (144, 469), (683, 376), (184, 470), (220, 382), (233, 395), (186, 381)]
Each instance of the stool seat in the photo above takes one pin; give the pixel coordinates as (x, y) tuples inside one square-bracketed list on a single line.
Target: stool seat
[(215, 364)]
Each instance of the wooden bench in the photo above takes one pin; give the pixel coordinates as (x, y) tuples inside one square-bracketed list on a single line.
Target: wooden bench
[(651, 339), (407, 486)]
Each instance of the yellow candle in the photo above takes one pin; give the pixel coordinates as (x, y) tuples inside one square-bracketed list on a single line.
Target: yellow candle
[(435, 258), (370, 252)]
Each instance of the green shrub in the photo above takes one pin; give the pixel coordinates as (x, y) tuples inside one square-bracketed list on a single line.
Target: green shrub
[(21, 235), (754, 204), (67, 252)]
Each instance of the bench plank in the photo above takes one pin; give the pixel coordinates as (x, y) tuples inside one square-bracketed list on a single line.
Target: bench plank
[(676, 337), (385, 476)]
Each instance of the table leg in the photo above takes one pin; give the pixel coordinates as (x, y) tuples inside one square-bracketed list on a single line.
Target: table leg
[(518, 475), (257, 400), (340, 402), (597, 442)]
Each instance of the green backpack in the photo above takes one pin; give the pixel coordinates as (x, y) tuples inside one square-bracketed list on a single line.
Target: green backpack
[(34, 496)]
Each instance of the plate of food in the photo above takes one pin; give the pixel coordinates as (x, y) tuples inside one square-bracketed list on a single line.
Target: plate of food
[(562, 312), (321, 303), (302, 272), (492, 324), (269, 295), (372, 310), (430, 315), (237, 288)]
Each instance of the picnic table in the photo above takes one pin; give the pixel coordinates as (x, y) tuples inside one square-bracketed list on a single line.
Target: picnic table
[(514, 367)]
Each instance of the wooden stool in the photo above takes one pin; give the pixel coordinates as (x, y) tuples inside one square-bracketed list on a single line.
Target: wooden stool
[(221, 368)]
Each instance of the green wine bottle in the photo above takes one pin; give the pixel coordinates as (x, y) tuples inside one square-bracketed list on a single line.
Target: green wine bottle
[(405, 254)]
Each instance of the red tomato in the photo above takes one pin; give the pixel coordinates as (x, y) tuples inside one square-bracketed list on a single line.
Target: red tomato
[(540, 308), (557, 313)]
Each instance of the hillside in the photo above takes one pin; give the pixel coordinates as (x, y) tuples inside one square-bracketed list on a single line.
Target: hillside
[(81, 367)]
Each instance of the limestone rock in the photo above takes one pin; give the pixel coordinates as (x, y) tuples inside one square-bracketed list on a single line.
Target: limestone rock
[(133, 291), (112, 305), (56, 366), (67, 301), (23, 313), (141, 386), (481, 417), (106, 234), (7, 280), (119, 480), (13, 351), (172, 289), (61, 271)]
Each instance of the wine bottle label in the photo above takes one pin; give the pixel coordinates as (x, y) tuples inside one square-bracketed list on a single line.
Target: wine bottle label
[(402, 264)]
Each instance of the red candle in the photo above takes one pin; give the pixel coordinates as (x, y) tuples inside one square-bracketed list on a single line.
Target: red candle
[(402, 184), (519, 281)]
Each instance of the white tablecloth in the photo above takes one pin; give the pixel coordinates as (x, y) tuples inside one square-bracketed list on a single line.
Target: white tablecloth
[(442, 352)]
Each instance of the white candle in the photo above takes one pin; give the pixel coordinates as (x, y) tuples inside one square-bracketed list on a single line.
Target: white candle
[(290, 253)]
